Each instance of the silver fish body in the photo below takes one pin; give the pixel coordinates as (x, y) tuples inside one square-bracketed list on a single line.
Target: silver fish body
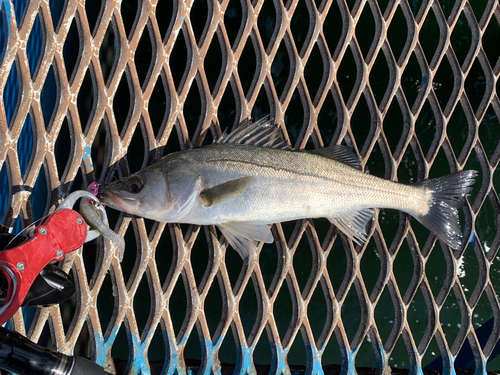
[(243, 187), (286, 185)]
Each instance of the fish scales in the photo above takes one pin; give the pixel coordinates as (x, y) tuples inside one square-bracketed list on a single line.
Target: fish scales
[(291, 185)]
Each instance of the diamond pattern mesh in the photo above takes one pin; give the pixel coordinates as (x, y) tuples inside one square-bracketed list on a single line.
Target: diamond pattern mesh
[(96, 89)]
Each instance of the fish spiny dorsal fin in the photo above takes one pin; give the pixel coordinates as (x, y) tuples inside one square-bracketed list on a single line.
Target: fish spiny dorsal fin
[(339, 153), (263, 133)]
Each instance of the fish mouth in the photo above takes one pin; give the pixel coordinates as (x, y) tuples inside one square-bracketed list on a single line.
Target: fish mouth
[(107, 198), (103, 195), (110, 199)]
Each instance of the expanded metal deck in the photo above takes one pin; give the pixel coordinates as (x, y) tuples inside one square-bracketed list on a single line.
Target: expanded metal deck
[(102, 88)]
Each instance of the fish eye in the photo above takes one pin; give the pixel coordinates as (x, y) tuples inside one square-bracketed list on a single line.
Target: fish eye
[(134, 184)]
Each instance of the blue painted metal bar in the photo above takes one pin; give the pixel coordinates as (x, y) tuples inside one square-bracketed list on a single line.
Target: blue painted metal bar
[(244, 361), (279, 363)]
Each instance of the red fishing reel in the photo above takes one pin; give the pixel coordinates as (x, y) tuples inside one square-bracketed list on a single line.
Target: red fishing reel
[(57, 235)]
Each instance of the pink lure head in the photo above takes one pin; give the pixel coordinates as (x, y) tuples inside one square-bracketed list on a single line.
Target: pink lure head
[(94, 188)]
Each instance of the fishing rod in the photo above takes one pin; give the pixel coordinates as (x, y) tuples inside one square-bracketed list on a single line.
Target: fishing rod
[(23, 357)]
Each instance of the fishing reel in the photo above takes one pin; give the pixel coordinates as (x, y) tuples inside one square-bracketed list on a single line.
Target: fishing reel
[(58, 234), (50, 287)]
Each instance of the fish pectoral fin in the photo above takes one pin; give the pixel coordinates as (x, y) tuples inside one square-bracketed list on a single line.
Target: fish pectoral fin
[(353, 225), (339, 153), (226, 191), (244, 235)]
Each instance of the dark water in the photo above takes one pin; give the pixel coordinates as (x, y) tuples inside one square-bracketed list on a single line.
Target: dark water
[(329, 121)]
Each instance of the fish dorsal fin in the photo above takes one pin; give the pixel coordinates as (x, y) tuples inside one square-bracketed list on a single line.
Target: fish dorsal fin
[(244, 235), (263, 133), (339, 153), (226, 191), (353, 225)]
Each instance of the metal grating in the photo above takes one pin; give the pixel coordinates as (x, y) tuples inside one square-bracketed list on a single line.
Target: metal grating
[(412, 86)]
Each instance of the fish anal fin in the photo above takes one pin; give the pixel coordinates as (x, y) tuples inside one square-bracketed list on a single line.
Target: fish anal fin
[(353, 225), (225, 191), (244, 235), (339, 153)]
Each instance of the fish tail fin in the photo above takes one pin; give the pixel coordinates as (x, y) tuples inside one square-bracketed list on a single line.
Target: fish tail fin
[(448, 194)]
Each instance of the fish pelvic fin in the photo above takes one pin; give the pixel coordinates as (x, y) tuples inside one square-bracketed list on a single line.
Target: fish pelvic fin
[(226, 191), (353, 225), (244, 235), (448, 194)]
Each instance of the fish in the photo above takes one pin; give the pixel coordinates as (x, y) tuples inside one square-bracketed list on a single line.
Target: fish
[(251, 178)]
